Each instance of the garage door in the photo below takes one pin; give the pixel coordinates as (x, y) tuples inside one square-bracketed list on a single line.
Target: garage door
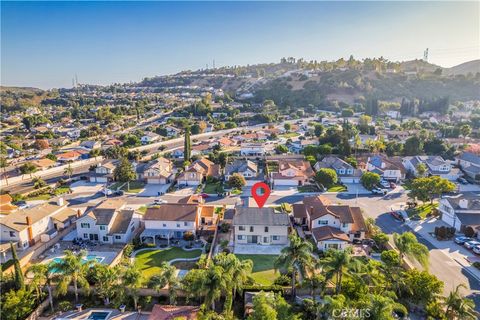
[(153, 181)]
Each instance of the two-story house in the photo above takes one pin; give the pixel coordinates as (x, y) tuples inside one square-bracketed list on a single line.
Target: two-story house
[(470, 164), (248, 169), (436, 166), (292, 173), (103, 173), (389, 168), (260, 226), (346, 172), (331, 226), (252, 149), (25, 227), (109, 222), (461, 211), (159, 171), (173, 220), (298, 145), (198, 171)]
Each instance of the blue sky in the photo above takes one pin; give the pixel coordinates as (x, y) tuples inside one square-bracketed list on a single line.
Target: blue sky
[(44, 44)]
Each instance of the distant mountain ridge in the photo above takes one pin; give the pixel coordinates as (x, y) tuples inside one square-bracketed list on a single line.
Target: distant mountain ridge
[(464, 68)]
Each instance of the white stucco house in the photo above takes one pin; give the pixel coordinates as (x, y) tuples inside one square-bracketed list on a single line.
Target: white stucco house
[(149, 137), (436, 166), (346, 172), (461, 211)]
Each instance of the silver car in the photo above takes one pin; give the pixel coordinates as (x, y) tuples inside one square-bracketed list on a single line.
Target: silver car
[(471, 244)]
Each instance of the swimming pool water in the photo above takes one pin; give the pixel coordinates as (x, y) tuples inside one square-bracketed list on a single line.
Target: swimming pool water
[(98, 315), (85, 260)]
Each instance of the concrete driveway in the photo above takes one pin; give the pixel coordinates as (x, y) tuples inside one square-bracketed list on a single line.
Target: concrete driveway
[(469, 187), (356, 188), (184, 192), (152, 190), (84, 187)]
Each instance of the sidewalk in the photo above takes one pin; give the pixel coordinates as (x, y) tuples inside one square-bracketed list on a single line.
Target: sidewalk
[(458, 253)]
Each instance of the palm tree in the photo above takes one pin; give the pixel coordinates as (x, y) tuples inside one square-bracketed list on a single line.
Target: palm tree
[(459, 307), (38, 183), (71, 269), (41, 278), (337, 262), (132, 280), (215, 283), (297, 256), (106, 282), (68, 171), (408, 245), (238, 273), (166, 278)]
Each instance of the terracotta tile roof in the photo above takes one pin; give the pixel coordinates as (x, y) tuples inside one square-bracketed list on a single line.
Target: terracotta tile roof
[(191, 199), (43, 163), (302, 169), (208, 211), (343, 213), (327, 232), (167, 312), (299, 210)]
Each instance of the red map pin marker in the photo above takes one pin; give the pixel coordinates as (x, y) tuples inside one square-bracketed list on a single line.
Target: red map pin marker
[(260, 199)]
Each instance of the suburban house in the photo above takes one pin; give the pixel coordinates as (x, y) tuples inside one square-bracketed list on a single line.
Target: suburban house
[(292, 173), (331, 226), (173, 220), (42, 164), (159, 171), (149, 137), (73, 155), (172, 131), (91, 144), (111, 143), (260, 226), (300, 144), (109, 222), (346, 172), (248, 169), (198, 171), (470, 164), (436, 166), (390, 169), (25, 227), (103, 173), (6, 206), (169, 312), (461, 211), (252, 149)]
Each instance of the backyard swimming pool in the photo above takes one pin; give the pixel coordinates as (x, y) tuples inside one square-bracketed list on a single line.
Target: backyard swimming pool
[(89, 258), (98, 315)]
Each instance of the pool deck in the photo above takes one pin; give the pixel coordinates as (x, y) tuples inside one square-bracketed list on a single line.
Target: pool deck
[(108, 257), (114, 315)]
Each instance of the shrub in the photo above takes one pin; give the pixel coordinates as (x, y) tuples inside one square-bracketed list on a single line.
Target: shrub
[(7, 264), (469, 232), (282, 280), (224, 227), (128, 250), (64, 306), (210, 239)]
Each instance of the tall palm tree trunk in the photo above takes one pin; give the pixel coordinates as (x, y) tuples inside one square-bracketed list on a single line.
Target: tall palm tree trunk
[(294, 293), (50, 297), (76, 290)]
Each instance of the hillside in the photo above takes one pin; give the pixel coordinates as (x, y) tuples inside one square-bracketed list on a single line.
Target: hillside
[(464, 68)]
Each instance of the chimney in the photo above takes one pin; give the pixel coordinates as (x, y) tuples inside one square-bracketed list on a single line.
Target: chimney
[(60, 202), (31, 241), (78, 213), (463, 203)]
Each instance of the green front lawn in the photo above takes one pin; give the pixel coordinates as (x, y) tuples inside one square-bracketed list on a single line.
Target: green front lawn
[(45, 196), (263, 272), (308, 188), (149, 261), (135, 187), (289, 135), (213, 188), (337, 188), (62, 190), (423, 210)]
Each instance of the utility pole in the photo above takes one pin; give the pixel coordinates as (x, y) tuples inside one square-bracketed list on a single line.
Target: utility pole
[(425, 55)]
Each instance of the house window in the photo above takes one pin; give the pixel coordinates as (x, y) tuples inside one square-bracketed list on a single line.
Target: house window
[(118, 237), (103, 227), (85, 225), (85, 235), (240, 237), (274, 237), (133, 228), (12, 234), (105, 239), (251, 228), (185, 223), (344, 225), (266, 229), (323, 222), (164, 224), (241, 228), (178, 225)]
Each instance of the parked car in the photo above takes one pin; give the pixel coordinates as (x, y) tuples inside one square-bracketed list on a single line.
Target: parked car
[(107, 192), (462, 180), (159, 201), (462, 239), (471, 244), (379, 191), (385, 184), (21, 204), (204, 195), (476, 249), (397, 215)]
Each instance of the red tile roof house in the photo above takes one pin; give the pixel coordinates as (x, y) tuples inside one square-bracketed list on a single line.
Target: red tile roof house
[(198, 171), (292, 173), (331, 226), (70, 155), (162, 312)]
